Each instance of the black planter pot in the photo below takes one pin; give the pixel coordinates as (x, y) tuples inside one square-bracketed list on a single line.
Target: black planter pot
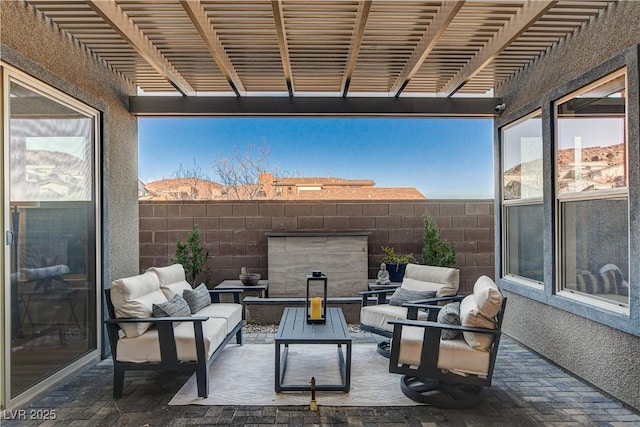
[(396, 272)]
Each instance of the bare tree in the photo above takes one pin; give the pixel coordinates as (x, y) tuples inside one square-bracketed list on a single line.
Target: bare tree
[(193, 176), (241, 173)]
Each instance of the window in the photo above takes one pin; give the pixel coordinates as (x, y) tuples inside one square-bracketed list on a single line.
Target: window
[(592, 194), (522, 198)]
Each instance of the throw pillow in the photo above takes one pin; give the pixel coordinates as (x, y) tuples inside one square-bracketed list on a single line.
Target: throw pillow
[(450, 315), (470, 316), (587, 282), (197, 298), (401, 295), (175, 307), (611, 282)]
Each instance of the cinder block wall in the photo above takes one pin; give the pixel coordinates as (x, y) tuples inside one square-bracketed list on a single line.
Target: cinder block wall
[(235, 231)]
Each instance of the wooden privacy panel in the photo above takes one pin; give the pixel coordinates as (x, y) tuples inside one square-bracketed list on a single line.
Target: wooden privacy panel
[(342, 257)]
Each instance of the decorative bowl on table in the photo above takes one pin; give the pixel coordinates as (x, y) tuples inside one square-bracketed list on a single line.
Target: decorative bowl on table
[(250, 279)]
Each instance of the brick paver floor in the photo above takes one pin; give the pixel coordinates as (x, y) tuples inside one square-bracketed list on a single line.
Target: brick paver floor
[(527, 391)]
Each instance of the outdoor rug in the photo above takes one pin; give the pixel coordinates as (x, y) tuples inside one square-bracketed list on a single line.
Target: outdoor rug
[(244, 375)]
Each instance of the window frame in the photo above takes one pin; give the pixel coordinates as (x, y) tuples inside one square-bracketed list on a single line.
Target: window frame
[(560, 199), (526, 201)]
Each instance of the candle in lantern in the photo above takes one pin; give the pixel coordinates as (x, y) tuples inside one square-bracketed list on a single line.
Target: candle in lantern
[(316, 308)]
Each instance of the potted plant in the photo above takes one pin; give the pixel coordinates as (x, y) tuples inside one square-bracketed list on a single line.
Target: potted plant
[(193, 256), (435, 251), (396, 264)]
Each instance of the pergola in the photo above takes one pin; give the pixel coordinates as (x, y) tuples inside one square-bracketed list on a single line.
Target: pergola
[(236, 57)]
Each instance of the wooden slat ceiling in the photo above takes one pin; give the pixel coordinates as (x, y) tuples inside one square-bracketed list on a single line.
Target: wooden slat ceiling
[(330, 47)]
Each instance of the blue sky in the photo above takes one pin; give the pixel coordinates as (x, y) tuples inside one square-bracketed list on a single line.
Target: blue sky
[(442, 158)]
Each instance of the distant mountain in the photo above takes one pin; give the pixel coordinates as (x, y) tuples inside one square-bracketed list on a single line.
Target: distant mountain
[(612, 154), (60, 160)]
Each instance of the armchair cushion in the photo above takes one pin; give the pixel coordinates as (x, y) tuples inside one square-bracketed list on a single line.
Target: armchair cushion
[(453, 355), (134, 297), (175, 307), (479, 310), (450, 315), (197, 298), (443, 280), (402, 295)]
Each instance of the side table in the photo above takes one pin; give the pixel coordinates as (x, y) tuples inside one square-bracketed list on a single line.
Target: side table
[(262, 287)]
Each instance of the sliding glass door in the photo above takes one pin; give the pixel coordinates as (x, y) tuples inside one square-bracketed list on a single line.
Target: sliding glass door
[(52, 202)]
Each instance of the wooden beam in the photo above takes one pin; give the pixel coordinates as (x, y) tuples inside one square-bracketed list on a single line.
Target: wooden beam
[(123, 25), (356, 40), (432, 34), (518, 24), (201, 22), (278, 17), (284, 106)]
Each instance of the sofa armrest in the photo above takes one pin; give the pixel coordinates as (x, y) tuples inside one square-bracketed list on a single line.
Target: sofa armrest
[(156, 319), (166, 336)]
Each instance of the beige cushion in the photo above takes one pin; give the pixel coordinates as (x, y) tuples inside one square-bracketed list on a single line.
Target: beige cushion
[(453, 355), (443, 280), (378, 316), (230, 312), (146, 347), (134, 297), (172, 279), (487, 296), (478, 310)]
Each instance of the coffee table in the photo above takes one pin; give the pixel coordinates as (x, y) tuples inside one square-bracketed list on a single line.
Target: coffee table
[(294, 329)]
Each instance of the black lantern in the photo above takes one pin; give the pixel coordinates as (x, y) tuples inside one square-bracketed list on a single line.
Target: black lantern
[(316, 307)]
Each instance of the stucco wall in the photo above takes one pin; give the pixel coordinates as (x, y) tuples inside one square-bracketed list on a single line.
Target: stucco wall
[(583, 339), (236, 232), (33, 45)]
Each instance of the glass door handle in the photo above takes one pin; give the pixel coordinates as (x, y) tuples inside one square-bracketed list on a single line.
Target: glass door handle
[(10, 238)]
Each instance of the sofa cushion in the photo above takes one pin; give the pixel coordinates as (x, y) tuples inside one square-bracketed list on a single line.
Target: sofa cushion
[(230, 312), (172, 279), (134, 297), (402, 295), (146, 347), (450, 315), (444, 280), (378, 316), (175, 307), (453, 355), (197, 298)]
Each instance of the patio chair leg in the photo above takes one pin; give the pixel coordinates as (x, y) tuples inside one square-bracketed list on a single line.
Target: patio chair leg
[(440, 393), (118, 381), (202, 378), (239, 337)]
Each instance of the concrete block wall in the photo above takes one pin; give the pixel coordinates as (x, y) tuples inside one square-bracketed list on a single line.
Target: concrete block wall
[(235, 231)]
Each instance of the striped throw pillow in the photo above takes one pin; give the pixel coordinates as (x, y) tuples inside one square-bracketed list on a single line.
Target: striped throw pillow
[(197, 298), (175, 307)]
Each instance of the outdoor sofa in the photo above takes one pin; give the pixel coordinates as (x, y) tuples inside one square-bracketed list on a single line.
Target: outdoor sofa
[(158, 322)]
